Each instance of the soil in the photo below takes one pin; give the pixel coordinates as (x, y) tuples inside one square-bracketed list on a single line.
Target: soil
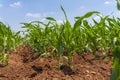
[(26, 65)]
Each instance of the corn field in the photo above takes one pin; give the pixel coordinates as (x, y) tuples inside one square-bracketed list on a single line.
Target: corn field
[(62, 38), (9, 40)]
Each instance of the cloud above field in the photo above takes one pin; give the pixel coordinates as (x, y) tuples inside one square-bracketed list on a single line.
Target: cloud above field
[(34, 15), (1, 5), (15, 4), (107, 2), (39, 15)]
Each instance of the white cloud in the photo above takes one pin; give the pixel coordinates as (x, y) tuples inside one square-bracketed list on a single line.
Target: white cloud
[(16, 4), (37, 15), (34, 15), (1, 5), (107, 2), (31, 16)]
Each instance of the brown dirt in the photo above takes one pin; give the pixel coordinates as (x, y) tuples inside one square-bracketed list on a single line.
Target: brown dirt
[(24, 65)]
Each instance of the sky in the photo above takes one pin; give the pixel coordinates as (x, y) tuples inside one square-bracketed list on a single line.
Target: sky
[(14, 12)]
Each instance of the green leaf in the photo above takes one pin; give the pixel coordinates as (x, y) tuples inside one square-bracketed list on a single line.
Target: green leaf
[(87, 15), (50, 18), (118, 4), (64, 12)]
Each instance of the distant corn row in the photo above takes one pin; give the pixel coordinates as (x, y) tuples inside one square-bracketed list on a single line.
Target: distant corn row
[(9, 40)]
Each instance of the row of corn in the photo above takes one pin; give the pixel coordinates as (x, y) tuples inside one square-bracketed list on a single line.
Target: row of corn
[(65, 39)]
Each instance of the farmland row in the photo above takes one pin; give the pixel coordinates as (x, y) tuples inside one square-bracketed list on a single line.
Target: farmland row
[(65, 39)]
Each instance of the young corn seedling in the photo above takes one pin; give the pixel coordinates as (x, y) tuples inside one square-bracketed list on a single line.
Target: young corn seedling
[(57, 38)]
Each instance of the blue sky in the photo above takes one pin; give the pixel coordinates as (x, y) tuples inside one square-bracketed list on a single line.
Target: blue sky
[(13, 12)]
